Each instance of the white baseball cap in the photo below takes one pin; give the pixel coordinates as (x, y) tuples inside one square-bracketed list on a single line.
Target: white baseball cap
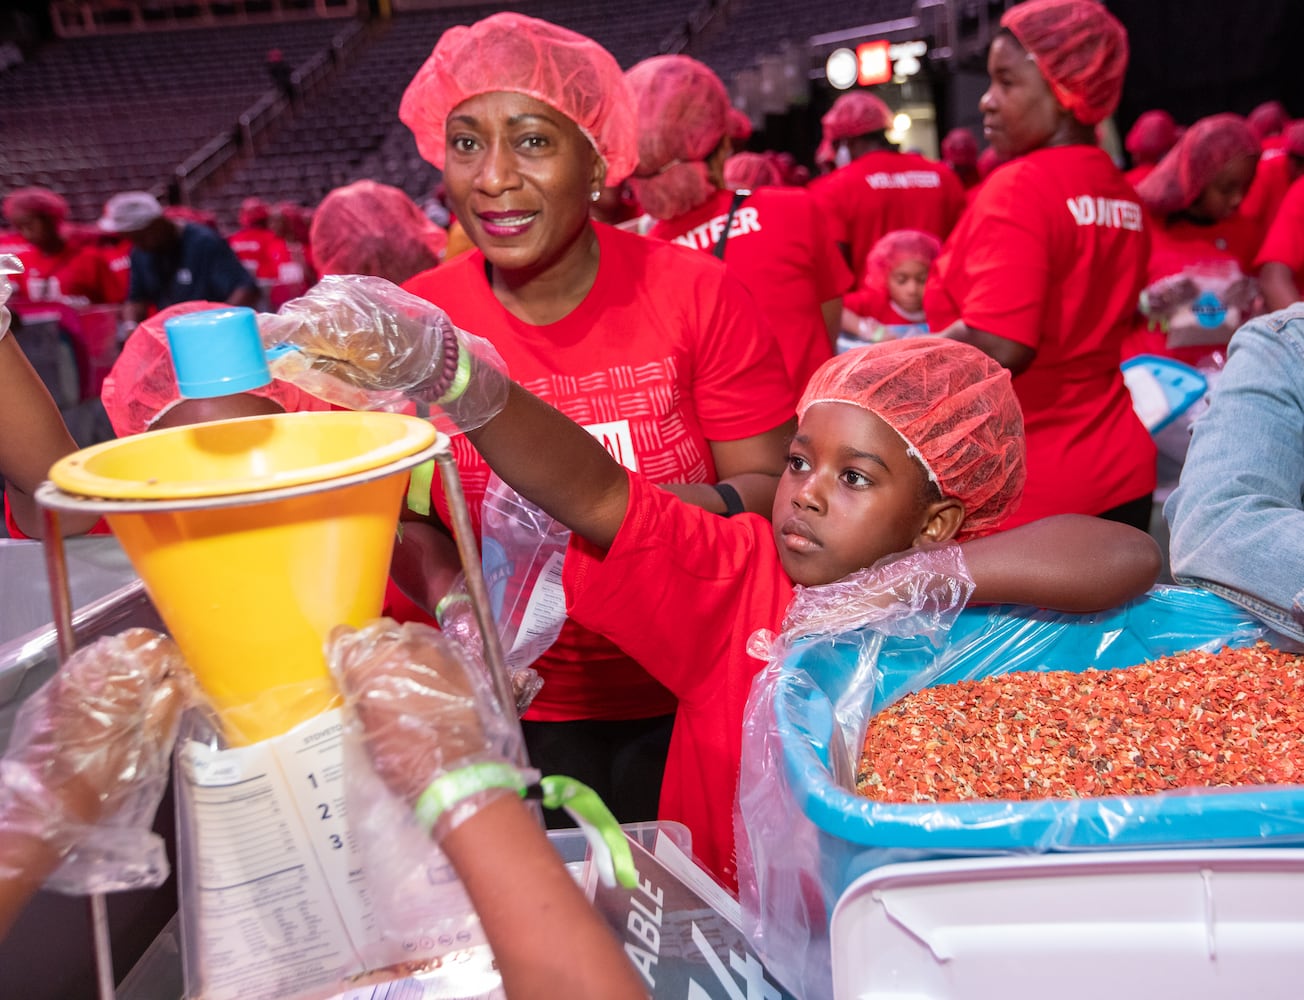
[(129, 211)]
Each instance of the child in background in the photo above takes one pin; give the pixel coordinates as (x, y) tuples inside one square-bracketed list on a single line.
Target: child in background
[(902, 448), (890, 301)]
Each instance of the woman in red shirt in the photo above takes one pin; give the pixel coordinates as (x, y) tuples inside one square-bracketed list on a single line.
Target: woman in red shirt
[(1043, 271), (773, 239), (657, 350), (1198, 289), (55, 268)]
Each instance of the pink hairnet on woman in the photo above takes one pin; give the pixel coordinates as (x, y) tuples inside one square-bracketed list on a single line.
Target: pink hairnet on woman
[(659, 351), (773, 239), (1198, 289), (1150, 137), (960, 153), (749, 171), (372, 228), (1044, 269)]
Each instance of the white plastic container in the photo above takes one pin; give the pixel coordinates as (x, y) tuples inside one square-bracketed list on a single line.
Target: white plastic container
[(1188, 924)]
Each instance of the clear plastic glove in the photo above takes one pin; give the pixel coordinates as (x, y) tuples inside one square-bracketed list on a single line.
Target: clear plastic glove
[(88, 761), (423, 714), (456, 617), (9, 264), (371, 334)]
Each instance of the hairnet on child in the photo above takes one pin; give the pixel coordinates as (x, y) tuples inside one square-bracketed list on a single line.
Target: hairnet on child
[(1079, 47), (748, 171), (142, 385), (952, 405), (254, 212), (739, 126), (372, 228), (683, 114), (1186, 170), (1268, 118), (524, 55), (890, 249), (960, 148), (35, 201), (1151, 136), (857, 112)]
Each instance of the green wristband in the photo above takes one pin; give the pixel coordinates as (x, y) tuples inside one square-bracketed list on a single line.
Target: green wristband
[(420, 479), (449, 789), (447, 601), (461, 378)]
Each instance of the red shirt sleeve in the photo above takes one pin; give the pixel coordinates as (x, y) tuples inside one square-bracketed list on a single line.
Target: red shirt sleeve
[(1284, 243), (1007, 260)]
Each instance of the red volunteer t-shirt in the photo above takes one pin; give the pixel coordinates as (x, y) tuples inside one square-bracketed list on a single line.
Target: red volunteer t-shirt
[(74, 271), (1053, 255), (682, 591), (261, 251), (1284, 243), (1137, 174), (882, 191), (666, 354), (780, 248)]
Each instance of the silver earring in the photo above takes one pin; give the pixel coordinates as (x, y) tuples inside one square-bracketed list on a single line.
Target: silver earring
[(595, 196)]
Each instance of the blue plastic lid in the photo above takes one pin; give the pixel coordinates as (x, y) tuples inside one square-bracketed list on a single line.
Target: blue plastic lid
[(217, 352)]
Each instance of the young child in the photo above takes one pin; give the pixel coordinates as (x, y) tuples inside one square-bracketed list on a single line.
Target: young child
[(899, 446), (890, 300)]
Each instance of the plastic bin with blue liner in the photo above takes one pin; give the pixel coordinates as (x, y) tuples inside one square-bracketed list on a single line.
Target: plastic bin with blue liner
[(840, 835)]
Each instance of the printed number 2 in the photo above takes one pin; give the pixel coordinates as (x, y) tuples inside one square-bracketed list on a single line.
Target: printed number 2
[(325, 810)]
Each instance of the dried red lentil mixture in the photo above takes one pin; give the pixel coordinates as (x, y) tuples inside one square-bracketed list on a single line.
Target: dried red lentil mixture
[(1196, 719)]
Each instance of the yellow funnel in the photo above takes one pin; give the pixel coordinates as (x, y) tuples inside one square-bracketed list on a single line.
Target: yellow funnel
[(254, 538)]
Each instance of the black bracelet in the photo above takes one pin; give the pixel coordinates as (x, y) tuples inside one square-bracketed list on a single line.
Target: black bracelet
[(733, 503)]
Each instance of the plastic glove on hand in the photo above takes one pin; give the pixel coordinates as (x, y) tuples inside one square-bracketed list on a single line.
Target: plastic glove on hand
[(424, 712)]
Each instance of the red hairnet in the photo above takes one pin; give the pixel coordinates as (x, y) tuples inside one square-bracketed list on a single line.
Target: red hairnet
[(1295, 139), (1151, 136), (254, 212), (1205, 148), (892, 248), (748, 171), (371, 228), (524, 55), (988, 160), (35, 201), (855, 113), (953, 406), (683, 114), (739, 126), (960, 148), (1268, 118), (1079, 47), (142, 384)]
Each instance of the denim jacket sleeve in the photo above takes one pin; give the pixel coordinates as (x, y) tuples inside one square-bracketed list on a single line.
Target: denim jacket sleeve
[(1236, 518)]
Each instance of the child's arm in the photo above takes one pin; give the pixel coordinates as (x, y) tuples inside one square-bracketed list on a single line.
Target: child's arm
[(1070, 562)]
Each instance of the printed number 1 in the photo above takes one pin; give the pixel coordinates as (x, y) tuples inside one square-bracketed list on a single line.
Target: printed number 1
[(313, 779)]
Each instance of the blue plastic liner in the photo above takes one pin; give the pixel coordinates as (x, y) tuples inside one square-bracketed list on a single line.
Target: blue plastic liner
[(843, 835)]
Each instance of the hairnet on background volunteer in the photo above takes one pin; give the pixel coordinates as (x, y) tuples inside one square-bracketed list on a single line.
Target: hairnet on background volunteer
[(857, 112), (960, 148), (1186, 170), (1151, 136), (371, 228), (513, 53), (35, 201), (1079, 47), (254, 212), (683, 114), (891, 249), (1268, 118), (738, 126), (953, 406), (143, 384), (748, 171)]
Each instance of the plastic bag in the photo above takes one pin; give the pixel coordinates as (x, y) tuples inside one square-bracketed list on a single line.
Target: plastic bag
[(9, 264), (1203, 304), (804, 835), (300, 876), (372, 335)]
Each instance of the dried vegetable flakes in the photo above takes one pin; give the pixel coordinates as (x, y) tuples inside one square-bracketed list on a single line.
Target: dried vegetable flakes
[(1235, 717)]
